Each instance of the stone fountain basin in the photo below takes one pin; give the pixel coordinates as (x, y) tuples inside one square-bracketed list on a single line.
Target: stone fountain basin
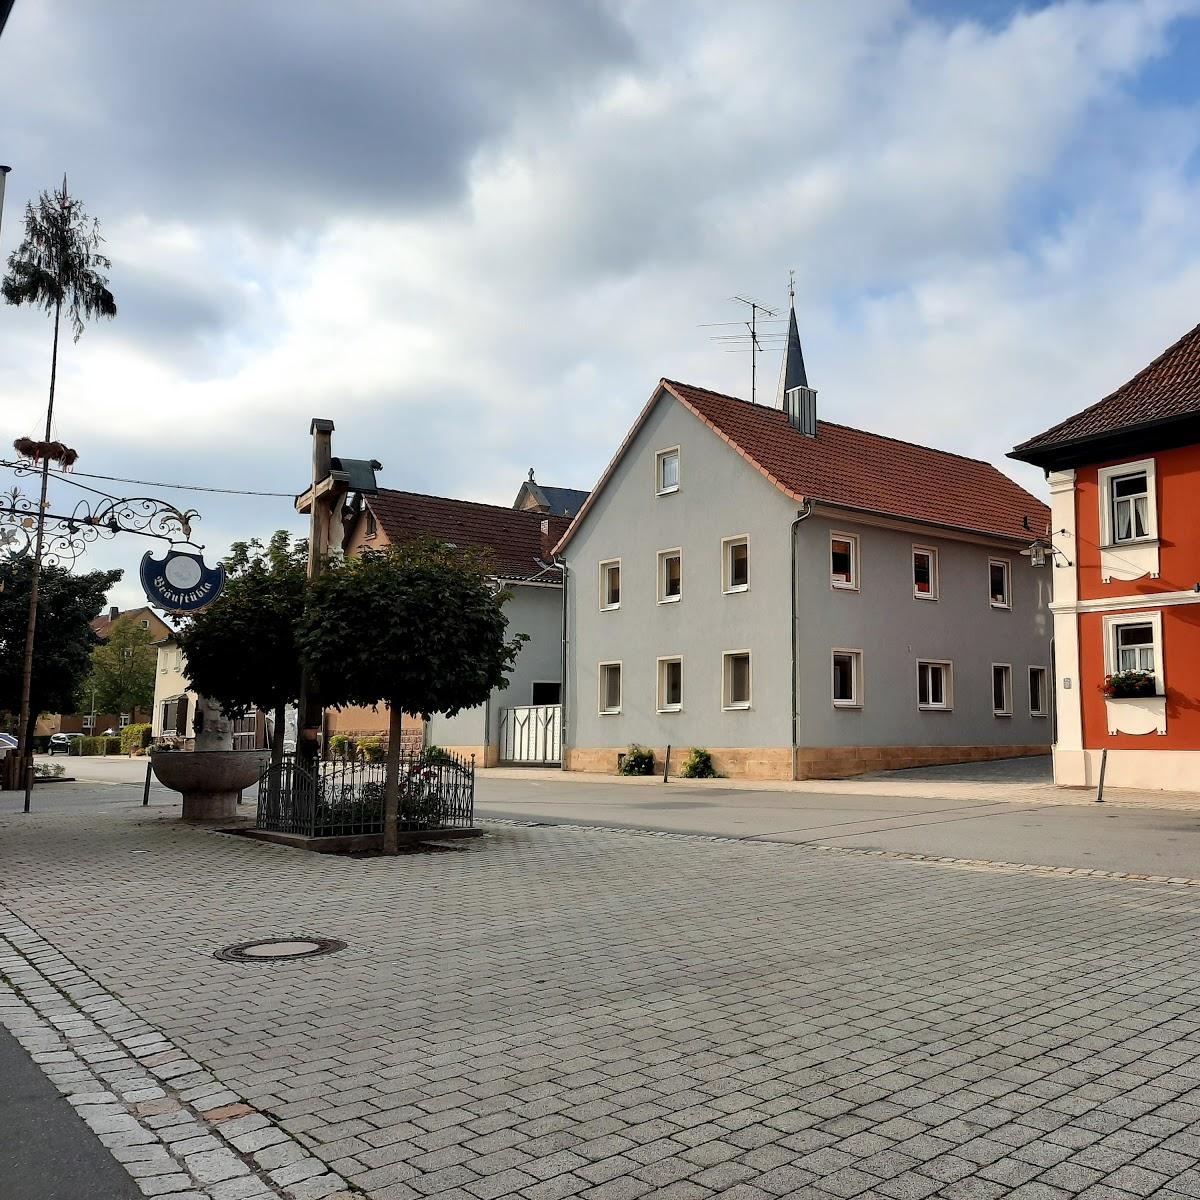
[(210, 780)]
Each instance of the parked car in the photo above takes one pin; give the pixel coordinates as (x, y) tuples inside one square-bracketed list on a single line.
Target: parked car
[(61, 743)]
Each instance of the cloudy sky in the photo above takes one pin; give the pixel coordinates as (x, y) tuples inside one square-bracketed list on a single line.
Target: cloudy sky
[(475, 233)]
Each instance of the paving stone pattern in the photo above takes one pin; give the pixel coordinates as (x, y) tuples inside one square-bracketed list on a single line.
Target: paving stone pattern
[(555, 1012)]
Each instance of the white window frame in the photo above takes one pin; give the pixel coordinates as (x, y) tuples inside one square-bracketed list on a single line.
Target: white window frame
[(856, 699), (659, 490), (1007, 709), (604, 565), (1153, 619), (935, 583), (947, 666), (89, 722), (728, 705), (1006, 563), (854, 582), (1044, 710), (663, 555), (660, 698), (729, 588), (600, 675), (1104, 478)]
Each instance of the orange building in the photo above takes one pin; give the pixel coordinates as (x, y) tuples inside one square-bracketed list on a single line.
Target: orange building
[(1125, 489)]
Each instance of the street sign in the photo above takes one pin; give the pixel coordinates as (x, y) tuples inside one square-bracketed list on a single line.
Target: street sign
[(180, 582)]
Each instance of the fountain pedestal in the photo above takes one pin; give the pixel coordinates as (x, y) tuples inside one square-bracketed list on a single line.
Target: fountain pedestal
[(210, 780)]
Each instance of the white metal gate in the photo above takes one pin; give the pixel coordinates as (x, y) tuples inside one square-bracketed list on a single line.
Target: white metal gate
[(531, 734)]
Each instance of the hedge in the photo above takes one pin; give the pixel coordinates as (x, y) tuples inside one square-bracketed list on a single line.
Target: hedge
[(97, 745), (135, 738)]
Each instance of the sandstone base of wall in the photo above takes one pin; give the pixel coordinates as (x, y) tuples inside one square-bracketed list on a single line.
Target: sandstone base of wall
[(812, 762), (732, 762), (485, 756), (842, 762)]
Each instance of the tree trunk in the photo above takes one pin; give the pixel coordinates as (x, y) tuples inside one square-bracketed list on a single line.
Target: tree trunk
[(26, 718), (391, 792)]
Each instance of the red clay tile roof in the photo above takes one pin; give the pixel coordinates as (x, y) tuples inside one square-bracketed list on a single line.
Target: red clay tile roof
[(864, 471), (511, 538), (102, 625), (1167, 389)]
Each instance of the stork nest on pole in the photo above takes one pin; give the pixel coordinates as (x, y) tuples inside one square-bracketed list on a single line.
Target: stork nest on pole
[(35, 451)]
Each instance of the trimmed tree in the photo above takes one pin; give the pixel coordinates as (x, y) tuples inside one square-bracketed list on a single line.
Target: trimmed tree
[(122, 674), (64, 641), (418, 627), (241, 652)]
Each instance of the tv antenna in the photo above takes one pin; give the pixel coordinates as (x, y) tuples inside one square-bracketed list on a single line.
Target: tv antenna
[(760, 314)]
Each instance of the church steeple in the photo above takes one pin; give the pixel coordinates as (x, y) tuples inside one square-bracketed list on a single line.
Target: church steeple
[(795, 397), (791, 374)]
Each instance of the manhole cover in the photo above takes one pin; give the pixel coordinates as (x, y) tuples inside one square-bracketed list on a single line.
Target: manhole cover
[(274, 949)]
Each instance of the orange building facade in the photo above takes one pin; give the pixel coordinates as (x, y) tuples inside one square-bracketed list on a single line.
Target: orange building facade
[(1125, 495)]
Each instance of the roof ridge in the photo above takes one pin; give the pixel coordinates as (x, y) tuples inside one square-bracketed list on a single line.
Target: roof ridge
[(840, 425), (1040, 437), (504, 508)]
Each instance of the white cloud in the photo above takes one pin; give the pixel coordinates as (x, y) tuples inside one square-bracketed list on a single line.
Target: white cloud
[(990, 230)]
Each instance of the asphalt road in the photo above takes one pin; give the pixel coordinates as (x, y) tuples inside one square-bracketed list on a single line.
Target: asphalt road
[(46, 1151), (1143, 840)]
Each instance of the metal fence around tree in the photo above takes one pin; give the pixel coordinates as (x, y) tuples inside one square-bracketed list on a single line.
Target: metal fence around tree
[(343, 797)]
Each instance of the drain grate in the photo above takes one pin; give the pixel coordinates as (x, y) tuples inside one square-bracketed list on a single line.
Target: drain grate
[(279, 949)]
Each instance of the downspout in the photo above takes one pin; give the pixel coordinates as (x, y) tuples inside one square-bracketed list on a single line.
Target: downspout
[(802, 514), (562, 695)]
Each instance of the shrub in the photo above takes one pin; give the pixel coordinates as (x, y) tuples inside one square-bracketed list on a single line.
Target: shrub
[(50, 770), (637, 760), (135, 738), (372, 749), (1125, 684), (699, 765), (436, 756), (341, 745)]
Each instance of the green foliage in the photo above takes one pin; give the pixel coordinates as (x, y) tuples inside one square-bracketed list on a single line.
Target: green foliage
[(698, 765), (87, 746), (637, 760), (58, 264), (63, 643), (50, 770), (372, 749), (1124, 685), (435, 756), (123, 668), (241, 650), (419, 626), (341, 745), (135, 738)]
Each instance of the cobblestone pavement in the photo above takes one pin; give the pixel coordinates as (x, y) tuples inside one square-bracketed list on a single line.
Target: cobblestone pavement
[(561, 1012)]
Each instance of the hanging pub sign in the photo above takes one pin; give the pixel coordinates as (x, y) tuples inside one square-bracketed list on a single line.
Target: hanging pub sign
[(180, 582)]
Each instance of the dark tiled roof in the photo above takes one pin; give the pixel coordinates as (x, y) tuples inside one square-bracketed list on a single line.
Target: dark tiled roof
[(102, 625), (1166, 390), (864, 471), (511, 538), (563, 502)]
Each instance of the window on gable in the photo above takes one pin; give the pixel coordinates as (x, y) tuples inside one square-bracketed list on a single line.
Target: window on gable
[(925, 573), (610, 584), (670, 576), (1130, 499), (670, 684), (666, 470), (735, 684), (999, 572), (372, 525), (847, 678), (145, 624), (934, 685), (843, 561), (1037, 691), (736, 566), (1002, 690), (610, 687)]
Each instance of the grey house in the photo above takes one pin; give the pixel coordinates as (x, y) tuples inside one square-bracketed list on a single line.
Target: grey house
[(801, 598)]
